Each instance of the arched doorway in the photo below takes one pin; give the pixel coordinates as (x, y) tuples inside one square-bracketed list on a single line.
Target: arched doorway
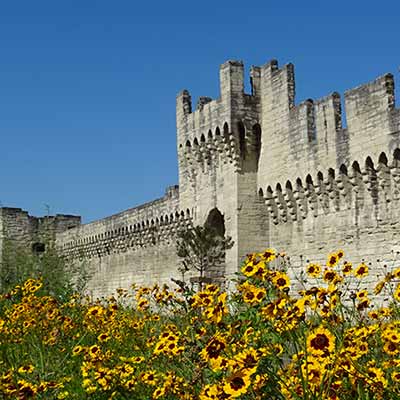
[(215, 220)]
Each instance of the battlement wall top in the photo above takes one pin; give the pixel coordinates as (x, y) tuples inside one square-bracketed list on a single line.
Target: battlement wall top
[(19, 211), (211, 114), (19, 226), (161, 210), (311, 135), (148, 225), (273, 88)]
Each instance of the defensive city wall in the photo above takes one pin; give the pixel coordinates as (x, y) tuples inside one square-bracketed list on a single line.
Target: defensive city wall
[(265, 171)]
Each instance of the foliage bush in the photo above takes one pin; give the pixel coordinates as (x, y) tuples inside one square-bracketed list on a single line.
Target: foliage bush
[(330, 340), (60, 279), (202, 249)]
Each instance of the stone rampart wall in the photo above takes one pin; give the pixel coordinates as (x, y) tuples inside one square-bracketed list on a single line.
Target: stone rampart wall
[(137, 246), (356, 209)]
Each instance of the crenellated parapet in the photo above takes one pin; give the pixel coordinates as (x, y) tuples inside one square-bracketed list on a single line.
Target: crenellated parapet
[(140, 235), (320, 134), (350, 187), (25, 230), (145, 226), (279, 136), (219, 131)]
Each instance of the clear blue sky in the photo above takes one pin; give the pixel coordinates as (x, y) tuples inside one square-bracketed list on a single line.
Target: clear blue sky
[(87, 88)]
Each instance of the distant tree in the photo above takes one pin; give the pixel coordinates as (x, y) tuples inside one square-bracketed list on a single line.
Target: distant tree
[(202, 248)]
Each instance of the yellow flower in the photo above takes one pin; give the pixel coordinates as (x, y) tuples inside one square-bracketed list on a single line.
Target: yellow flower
[(103, 337), (396, 376), (28, 389), (95, 311), (333, 259), (248, 359), (125, 370), (391, 334), (396, 273), (396, 294), (249, 269), (376, 375), (209, 392), (237, 384), (363, 304), (268, 255), (252, 294), (143, 304), (215, 312), (212, 288), (321, 342), (281, 281), (379, 287), (361, 271), (373, 314), (313, 369), (385, 312), (159, 392), (77, 350), (94, 351), (149, 378), (202, 299), (331, 276), (347, 268), (391, 348), (314, 270), (219, 363), (26, 369), (362, 294), (214, 347)]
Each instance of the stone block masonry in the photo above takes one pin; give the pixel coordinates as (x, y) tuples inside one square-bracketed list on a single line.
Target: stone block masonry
[(266, 171)]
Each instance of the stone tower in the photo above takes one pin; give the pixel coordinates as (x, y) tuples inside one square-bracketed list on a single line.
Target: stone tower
[(219, 148)]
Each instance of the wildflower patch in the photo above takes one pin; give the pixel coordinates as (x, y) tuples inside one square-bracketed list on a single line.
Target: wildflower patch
[(331, 339)]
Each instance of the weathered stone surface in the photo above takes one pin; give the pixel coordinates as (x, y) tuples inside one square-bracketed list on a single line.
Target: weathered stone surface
[(282, 175)]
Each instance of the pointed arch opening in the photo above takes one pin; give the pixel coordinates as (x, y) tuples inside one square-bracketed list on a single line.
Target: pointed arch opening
[(257, 140), (383, 159), (226, 129), (369, 164), (343, 169), (242, 139), (216, 221), (356, 167)]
